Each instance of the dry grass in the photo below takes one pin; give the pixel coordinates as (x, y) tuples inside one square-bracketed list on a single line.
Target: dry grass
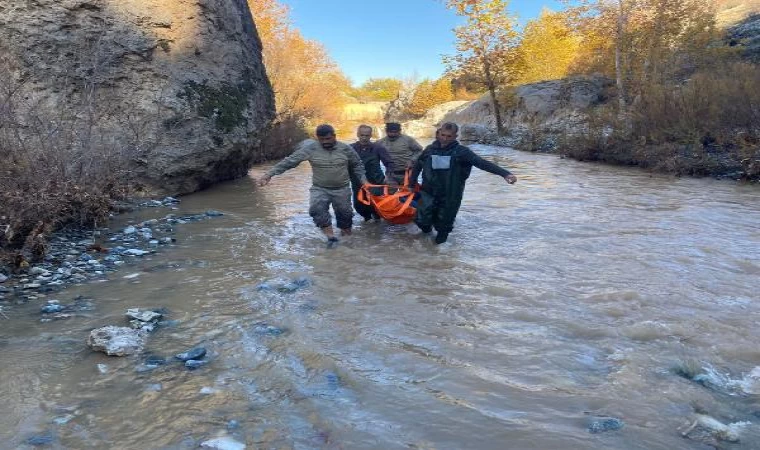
[(709, 125)]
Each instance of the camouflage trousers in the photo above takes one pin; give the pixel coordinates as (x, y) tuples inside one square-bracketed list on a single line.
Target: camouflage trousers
[(320, 200)]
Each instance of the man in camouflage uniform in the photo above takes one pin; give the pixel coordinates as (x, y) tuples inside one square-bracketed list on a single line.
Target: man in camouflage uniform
[(402, 149), (333, 164)]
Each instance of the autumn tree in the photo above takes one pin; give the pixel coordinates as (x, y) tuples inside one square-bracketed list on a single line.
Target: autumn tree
[(428, 94), (379, 89), (548, 47), (640, 41), (306, 82), (486, 47)]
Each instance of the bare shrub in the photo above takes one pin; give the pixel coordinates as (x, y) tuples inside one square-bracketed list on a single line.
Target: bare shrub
[(708, 125), (65, 155)]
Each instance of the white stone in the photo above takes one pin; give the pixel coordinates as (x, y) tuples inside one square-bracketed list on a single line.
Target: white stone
[(143, 315), (223, 443), (116, 341)]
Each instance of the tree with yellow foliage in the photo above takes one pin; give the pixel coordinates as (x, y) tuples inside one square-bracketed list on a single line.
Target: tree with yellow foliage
[(486, 47), (429, 93), (548, 48), (306, 82), (379, 89)]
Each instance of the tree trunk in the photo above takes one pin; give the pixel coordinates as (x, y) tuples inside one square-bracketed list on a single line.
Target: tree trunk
[(496, 109), (494, 101), (618, 58)]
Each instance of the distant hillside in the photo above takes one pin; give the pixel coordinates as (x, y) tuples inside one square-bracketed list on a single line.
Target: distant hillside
[(733, 11)]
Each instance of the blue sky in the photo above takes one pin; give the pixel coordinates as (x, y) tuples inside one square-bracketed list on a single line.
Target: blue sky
[(388, 38)]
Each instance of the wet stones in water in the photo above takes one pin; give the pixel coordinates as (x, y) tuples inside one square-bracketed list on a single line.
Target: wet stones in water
[(707, 429), (195, 353), (293, 285), (603, 424), (40, 440), (193, 364), (143, 319), (116, 341), (264, 329), (152, 362), (52, 306), (212, 213), (333, 381), (223, 443)]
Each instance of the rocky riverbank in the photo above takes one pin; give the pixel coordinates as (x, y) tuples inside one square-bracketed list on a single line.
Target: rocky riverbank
[(77, 256)]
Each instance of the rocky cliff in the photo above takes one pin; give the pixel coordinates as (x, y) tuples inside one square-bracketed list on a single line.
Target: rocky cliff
[(177, 85)]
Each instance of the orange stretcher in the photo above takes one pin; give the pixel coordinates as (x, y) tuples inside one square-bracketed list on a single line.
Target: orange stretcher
[(394, 204)]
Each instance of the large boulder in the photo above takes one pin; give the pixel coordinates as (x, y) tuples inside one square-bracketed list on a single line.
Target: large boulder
[(178, 86), (425, 126), (536, 114)]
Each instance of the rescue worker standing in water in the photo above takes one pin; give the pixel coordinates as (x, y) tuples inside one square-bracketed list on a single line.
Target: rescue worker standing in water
[(402, 149), (333, 165), (371, 154), (445, 165)]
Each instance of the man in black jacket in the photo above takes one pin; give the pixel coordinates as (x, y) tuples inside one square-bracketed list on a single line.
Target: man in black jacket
[(445, 165), (371, 154)]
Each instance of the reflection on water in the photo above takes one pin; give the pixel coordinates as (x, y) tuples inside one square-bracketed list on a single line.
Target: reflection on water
[(570, 295)]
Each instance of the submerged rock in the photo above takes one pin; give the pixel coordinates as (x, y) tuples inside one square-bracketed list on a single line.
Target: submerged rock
[(292, 285), (705, 425), (193, 353), (194, 363), (144, 315), (602, 424), (116, 341), (265, 329), (40, 440), (223, 443)]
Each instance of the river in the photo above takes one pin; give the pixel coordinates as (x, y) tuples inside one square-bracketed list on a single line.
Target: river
[(569, 296)]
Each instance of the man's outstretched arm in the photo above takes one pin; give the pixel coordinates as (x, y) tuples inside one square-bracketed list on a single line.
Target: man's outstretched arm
[(302, 153)]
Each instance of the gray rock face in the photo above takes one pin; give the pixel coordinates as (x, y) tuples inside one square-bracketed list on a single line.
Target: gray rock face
[(116, 341), (747, 35), (425, 126), (179, 85), (551, 108)]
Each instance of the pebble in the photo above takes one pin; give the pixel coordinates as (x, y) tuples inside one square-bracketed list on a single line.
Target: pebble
[(223, 443), (3, 278), (193, 364), (192, 354), (63, 420), (52, 307), (602, 424), (268, 330), (43, 439), (103, 368)]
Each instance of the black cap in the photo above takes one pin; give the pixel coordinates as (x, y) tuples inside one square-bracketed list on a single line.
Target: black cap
[(392, 126)]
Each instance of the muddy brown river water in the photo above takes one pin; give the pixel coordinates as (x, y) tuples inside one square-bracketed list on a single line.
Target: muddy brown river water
[(567, 297)]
